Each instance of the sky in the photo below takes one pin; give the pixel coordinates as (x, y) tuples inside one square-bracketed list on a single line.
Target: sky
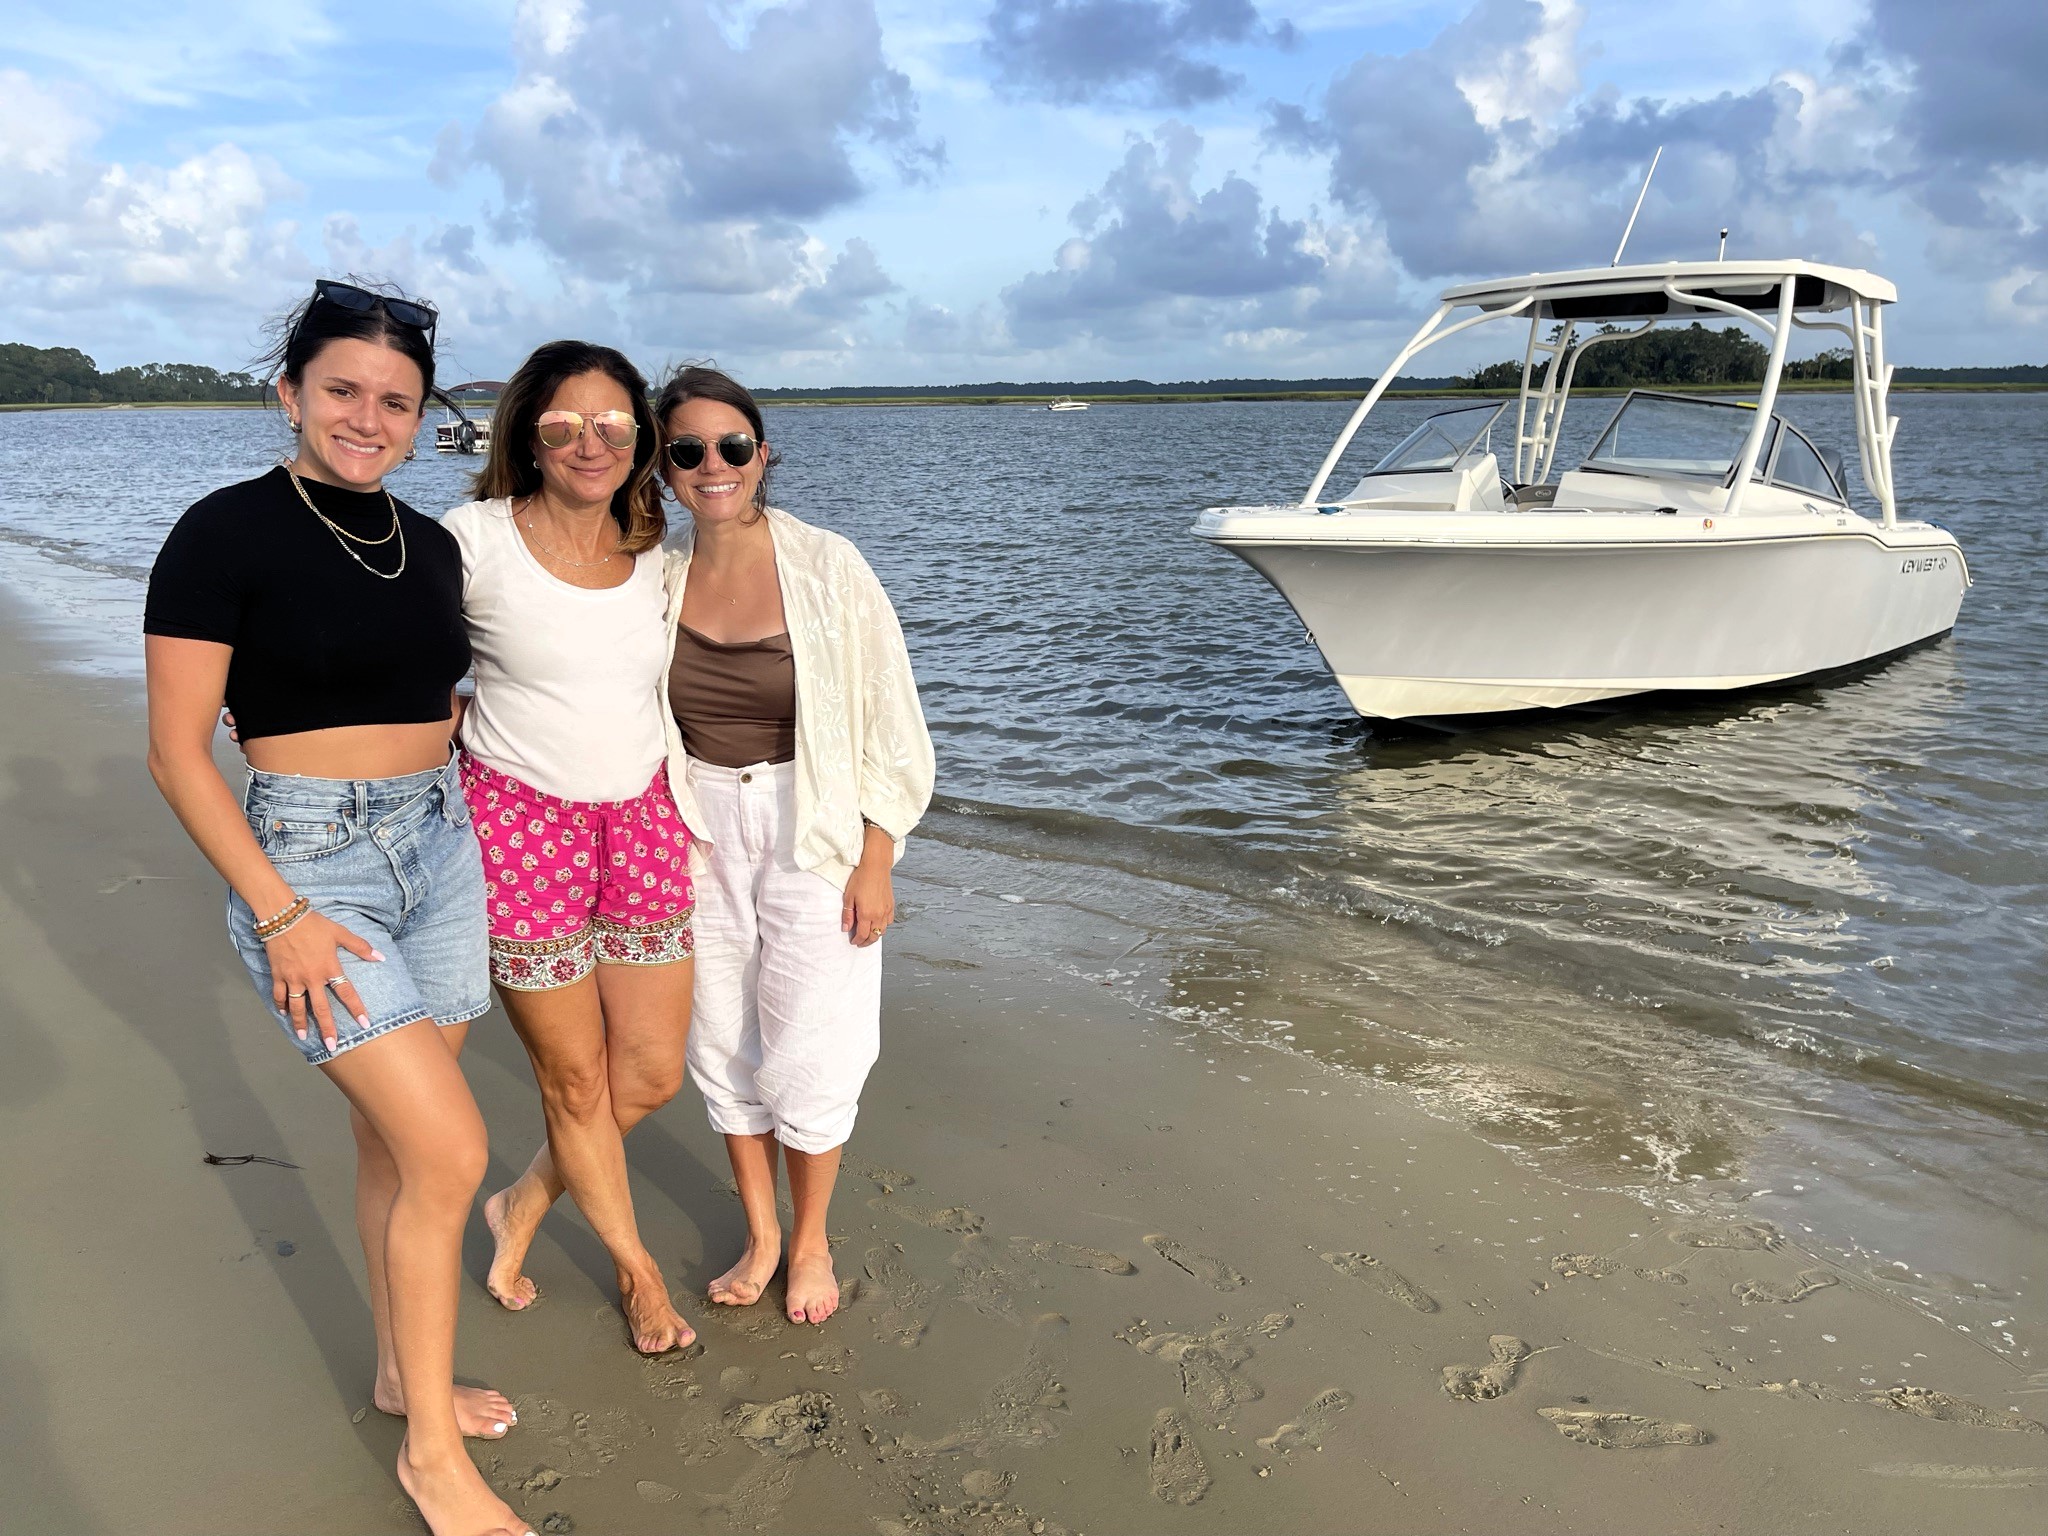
[(819, 192)]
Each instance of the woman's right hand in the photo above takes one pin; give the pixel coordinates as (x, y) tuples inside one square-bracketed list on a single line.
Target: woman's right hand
[(305, 965)]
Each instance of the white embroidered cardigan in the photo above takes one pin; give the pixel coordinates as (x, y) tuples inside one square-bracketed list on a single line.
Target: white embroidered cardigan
[(862, 749)]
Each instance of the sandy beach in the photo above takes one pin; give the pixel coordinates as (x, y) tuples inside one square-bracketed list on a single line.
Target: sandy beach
[(1104, 1273)]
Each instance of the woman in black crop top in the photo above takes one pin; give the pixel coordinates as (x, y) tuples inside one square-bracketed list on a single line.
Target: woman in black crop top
[(326, 614)]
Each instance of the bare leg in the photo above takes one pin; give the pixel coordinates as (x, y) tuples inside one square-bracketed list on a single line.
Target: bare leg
[(409, 1090), (479, 1410), (754, 1162), (813, 1288), (641, 1015), (647, 1025)]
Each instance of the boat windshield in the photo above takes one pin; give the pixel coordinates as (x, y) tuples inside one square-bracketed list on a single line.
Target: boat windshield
[(1445, 441), (1671, 435)]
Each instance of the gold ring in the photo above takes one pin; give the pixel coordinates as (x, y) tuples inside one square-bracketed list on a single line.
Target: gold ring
[(289, 993)]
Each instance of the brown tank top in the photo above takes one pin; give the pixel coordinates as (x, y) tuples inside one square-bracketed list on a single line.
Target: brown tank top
[(735, 704)]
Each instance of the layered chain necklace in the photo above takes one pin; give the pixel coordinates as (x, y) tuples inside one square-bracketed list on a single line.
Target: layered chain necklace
[(526, 515), (348, 540)]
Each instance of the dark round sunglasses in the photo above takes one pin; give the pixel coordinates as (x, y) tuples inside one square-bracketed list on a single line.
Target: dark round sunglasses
[(361, 301), (736, 449)]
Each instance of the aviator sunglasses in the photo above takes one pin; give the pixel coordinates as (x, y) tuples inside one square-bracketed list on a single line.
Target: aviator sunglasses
[(558, 429), (361, 301), (736, 449)]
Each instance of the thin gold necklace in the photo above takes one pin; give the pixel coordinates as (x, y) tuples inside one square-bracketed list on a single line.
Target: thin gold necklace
[(559, 559), (343, 536)]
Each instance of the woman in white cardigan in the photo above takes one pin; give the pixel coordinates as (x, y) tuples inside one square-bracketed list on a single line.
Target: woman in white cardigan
[(800, 762)]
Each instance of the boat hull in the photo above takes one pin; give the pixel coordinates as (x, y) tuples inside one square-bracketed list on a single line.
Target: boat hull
[(1419, 629)]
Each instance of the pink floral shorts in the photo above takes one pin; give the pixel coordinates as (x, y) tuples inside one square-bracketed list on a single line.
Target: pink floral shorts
[(571, 883)]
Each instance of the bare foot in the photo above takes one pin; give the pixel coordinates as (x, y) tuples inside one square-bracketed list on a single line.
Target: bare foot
[(656, 1325), (742, 1285), (513, 1215), (480, 1412), (454, 1498), (813, 1288)]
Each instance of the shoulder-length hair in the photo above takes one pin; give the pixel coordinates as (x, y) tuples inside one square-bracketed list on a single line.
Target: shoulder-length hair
[(510, 470)]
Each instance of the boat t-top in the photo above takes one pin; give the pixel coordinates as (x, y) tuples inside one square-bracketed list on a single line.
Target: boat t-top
[(459, 431), (1702, 544)]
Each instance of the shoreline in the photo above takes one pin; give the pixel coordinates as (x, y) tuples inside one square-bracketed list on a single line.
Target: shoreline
[(1030, 1133), (1190, 397)]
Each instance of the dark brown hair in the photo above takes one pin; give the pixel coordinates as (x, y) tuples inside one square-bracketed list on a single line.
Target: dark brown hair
[(636, 505), (303, 332), (695, 381)]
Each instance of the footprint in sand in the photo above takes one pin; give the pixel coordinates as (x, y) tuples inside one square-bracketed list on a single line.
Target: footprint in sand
[(1483, 1383), (1019, 1410), (652, 1492), (1178, 1473), (1306, 1430), (784, 1432), (1361, 1266), (953, 1218), (888, 1180), (1926, 1403), (1046, 1251), (1744, 1236), (1587, 1266), (1209, 1363), (1213, 1273), (909, 1312), (985, 1284), (883, 1401), (1621, 1431), (1759, 1293), (836, 1358), (1665, 1276)]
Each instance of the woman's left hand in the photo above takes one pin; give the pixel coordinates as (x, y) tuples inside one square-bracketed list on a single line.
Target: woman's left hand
[(870, 904)]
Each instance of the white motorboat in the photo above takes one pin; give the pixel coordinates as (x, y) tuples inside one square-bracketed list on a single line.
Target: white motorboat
[(462, 434), (1068, 403), (1702, 544)]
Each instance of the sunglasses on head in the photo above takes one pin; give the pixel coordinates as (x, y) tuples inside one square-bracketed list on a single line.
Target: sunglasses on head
[(361, 301), (558, 429), (735, 449)]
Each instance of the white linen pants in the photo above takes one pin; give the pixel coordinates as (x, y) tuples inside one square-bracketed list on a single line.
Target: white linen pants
[(787, 1011)]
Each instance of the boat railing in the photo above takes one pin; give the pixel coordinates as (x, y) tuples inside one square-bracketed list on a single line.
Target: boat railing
[(1536, 440)]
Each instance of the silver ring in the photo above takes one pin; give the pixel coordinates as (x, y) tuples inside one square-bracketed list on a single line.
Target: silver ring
[(335, 981)]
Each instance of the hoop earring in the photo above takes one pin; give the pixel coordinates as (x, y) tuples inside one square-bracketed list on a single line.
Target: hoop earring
[(292, 422), (411, 454)]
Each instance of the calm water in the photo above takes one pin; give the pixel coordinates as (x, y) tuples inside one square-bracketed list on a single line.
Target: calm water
[(1674, 948)]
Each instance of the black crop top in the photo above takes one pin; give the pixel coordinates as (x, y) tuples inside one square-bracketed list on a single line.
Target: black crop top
[(318, 641)]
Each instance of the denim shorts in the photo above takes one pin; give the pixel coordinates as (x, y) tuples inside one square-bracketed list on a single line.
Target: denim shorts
[(395, 863)]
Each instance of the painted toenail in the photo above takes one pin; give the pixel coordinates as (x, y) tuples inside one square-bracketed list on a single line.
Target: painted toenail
[(500, 1428)]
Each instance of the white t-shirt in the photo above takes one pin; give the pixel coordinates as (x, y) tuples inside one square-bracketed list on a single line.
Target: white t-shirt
[(569, 684)]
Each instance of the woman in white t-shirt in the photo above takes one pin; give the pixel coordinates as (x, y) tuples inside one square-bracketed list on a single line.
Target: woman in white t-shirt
[(565, 771)]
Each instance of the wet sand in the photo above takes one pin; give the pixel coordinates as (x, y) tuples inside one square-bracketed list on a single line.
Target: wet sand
[(1105, 1274)]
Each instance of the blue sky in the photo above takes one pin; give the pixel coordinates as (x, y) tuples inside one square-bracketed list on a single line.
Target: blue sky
[(878, 191)]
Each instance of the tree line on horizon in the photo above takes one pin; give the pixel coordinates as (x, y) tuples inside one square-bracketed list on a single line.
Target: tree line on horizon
[(66, 376), (1727, 355), (1692, 356)]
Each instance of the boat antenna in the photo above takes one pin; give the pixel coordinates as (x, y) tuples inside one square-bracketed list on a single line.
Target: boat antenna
[(1722, 254), (1638, 207)]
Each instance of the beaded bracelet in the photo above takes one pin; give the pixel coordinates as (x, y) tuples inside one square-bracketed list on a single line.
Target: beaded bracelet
[(273, 927)]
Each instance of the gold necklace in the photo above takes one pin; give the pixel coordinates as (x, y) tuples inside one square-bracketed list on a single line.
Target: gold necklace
[(542, 545), (343, 535)]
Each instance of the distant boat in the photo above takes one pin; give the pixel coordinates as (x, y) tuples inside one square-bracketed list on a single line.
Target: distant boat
[(1068, 403), (459, 432), (463, 434), (1702, 544)]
